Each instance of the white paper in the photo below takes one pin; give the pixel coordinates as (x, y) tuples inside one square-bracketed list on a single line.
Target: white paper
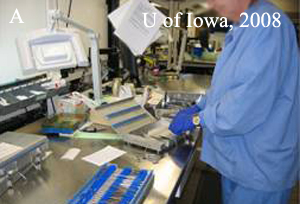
[(156, 36), (129, 23), (104, 156), (71, 154), (117, 15), (7, 149), (155, 98), (125, 92)]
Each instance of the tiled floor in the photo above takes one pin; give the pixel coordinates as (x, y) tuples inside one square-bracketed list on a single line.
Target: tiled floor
[(209, 183)]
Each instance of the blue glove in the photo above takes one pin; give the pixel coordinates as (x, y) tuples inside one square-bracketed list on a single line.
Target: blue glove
[(191, 110), (181, 123)]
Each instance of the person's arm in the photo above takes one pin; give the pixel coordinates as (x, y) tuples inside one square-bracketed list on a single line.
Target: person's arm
[(257, 81)]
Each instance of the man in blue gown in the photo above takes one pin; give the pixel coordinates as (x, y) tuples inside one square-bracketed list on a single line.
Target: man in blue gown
[(250, 115)]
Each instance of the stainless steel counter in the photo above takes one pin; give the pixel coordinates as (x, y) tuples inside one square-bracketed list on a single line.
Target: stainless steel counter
[(59, 179), (188, 83)]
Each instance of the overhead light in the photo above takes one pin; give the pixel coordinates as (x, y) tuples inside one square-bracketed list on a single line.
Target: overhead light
[(43, 50), (51, 48)]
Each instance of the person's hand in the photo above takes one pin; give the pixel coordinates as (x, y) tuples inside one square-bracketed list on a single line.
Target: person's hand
[(181, 123), (191, 110)]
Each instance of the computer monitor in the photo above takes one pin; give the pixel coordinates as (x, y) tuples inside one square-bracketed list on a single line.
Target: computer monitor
[(44, 50), (56, 48)]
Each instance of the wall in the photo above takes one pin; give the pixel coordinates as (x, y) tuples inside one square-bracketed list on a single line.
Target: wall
[(34, 18), (90, 13)]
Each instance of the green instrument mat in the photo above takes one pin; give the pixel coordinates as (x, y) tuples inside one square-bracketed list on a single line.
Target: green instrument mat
[(96, 131), (97, 135)]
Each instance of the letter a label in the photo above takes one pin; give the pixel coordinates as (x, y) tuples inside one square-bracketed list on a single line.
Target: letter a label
[(16, 16)]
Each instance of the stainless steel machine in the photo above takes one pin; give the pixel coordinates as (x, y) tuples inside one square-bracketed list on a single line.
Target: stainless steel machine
[(18, 154), (137, 126)]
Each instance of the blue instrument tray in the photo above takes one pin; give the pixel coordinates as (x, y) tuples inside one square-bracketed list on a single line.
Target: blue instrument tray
[(115, 185)]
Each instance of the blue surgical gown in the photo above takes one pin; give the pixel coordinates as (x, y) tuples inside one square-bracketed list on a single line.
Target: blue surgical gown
[(250, 115)]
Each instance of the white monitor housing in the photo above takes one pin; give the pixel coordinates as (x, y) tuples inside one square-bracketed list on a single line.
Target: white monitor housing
[(53, 48), (44, 50)]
